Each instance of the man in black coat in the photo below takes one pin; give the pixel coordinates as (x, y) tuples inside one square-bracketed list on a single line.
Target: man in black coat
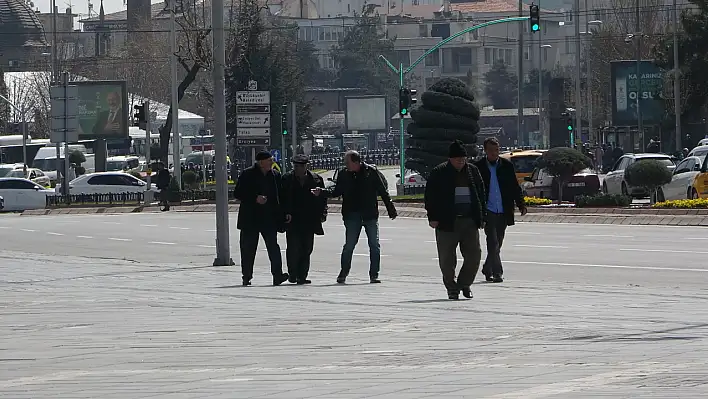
[(360, 185), (503, 194), (259, 188), (304, 215), (455, 200)]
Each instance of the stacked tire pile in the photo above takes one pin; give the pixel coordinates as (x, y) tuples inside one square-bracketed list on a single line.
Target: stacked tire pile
[(448, 112)]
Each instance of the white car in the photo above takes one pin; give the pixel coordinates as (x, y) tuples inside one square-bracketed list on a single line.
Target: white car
[(682, 181), (33, 174), (412, 179), (22, 194), (699, 151), (108, 183), (614, 182)]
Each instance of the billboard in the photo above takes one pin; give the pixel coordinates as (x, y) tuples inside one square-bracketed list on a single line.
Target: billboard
[(624, 92), (103, 109), (366, 113)]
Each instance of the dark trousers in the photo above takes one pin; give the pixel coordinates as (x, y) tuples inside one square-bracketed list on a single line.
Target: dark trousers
[(466, 235), (300, 245), (164, 198), (494, 230), (249, 245)]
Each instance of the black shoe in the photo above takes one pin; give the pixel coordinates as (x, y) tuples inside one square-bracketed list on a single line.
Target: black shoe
[(342, 278), (292, 280), (489, 278), (281, 279), (374, 280), (467, 292), (497, 279), (246, 283), (454, 295), (303, 281)]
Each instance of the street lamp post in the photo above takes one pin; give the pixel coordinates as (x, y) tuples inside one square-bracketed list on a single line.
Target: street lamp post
[(541, 47), (401, 72), (174, 101), (589, 77), (677, 75)]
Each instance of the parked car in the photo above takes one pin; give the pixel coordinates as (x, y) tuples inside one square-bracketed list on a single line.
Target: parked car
[(2, 203), (108, 183), (412, 179), (33, 174), (699, 151), (685, 182), (524, 162), (21, 194), (542, 185), (614, 182)]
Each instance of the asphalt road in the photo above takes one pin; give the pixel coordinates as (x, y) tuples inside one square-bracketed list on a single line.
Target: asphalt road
[(126, 306)]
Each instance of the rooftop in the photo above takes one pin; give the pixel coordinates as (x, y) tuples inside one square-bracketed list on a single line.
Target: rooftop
[(19, 26)]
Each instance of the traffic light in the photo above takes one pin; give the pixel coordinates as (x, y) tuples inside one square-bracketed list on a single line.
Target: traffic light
[(284, 119), (140, 116), (535, 18), (405, 101), (569, 123)]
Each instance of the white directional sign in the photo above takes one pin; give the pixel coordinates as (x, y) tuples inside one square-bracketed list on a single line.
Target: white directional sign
[(252, 97), (253, 132), (253, 120), (64, 124)]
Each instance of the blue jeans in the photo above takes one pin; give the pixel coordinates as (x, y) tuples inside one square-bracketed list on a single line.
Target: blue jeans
[(353, 224)]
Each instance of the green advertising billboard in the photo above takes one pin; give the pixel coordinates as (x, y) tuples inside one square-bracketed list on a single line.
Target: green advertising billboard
[(103, 109), (625, 86)]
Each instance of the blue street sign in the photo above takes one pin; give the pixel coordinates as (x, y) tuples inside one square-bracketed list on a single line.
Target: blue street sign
[(276, 155)]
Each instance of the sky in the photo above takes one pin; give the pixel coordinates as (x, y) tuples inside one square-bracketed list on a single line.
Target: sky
[(81, 6)]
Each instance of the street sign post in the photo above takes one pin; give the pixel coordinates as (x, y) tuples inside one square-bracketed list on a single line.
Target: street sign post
[(276, 155), (253, 118), (254, 142), (65, 108)]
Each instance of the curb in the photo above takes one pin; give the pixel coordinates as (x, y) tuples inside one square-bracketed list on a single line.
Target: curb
[(657, 217)]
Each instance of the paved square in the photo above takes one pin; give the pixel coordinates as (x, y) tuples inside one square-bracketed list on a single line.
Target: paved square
[(581, 315)]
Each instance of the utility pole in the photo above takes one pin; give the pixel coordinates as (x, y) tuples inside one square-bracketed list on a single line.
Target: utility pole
[(148, 192), (55, 78), (638, 35), (578, 101), (677, 82), (293, 126), (520, 81), (223, 245)]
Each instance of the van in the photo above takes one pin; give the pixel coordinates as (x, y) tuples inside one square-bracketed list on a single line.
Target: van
[(122, 163), (46, 160)]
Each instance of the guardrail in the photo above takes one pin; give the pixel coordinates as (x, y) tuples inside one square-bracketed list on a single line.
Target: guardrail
[(413, 189), (95, 199)]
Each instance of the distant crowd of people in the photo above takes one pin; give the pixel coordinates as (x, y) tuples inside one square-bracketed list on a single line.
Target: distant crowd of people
[(461, 198)]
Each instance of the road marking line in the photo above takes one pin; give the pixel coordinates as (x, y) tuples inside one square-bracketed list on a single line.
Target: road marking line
[(523, 233), (148, 225), (87, 237), (210, 230), (607, 236), (207, 246), (54, 234), (673, 251), (161, 243), (540, 246), (119, 239), (112, 223), (29, 230), (673, 269), (4, 227), (694, 238), (180, 228), (431, 242)]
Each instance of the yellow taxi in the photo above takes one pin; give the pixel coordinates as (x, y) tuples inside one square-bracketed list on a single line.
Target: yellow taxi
[(524, 162), (700, 184)]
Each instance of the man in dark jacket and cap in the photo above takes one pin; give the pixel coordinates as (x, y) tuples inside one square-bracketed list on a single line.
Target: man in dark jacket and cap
[(455, 200), (259, 188), (304, 215)]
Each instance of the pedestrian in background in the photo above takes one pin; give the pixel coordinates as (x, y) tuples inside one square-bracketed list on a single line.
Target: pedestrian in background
[(260, 213), (456, 206), (360, 185), (503, 194), (163, 183), (304, 215)]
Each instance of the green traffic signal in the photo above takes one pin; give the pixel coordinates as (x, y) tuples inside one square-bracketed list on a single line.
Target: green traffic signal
[(534, 27), (285, 132), (570, 127), (404, 111)]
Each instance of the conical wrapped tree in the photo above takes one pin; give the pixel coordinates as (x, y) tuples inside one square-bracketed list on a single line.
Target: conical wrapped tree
[(448, 112)]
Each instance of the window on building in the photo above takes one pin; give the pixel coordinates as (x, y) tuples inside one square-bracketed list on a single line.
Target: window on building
[(527, 54), (488, 58), (568, 45), (508, 56), (545, 54), (423, 30), (458, 60), (403, 57), (433, 59)]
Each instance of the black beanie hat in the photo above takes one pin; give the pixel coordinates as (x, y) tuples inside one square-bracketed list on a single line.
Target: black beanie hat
[(263, 155), (457, 150)]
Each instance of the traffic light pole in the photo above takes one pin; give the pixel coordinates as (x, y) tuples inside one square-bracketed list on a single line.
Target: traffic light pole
[(402, 72), (148, 192)]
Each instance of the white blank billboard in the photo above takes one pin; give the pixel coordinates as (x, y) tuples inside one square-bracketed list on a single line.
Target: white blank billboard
[(366, 113)]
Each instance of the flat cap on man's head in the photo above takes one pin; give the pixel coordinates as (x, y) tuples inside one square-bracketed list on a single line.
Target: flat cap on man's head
[(301, 159), (263, 155)]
